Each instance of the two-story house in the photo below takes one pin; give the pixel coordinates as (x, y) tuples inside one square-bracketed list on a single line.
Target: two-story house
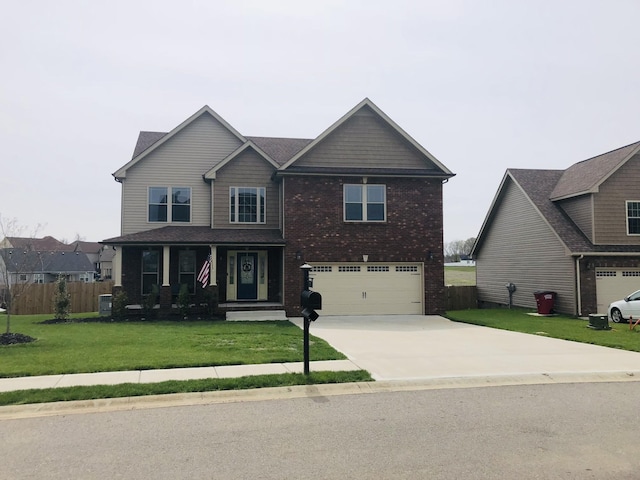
[(575, 232), (361, 204)]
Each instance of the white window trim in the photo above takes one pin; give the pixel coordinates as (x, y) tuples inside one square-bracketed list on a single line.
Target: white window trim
[(626, 217), (363, 186), (169, 203), (258, 198)]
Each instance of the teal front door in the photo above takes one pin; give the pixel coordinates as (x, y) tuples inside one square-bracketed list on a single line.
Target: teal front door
[(247, 278)]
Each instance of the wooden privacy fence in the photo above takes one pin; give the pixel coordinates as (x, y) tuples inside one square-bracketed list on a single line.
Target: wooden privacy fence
[(38, 297), (461, 297)]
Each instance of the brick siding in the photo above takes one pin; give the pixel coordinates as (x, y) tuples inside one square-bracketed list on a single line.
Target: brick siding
[(314, 226)]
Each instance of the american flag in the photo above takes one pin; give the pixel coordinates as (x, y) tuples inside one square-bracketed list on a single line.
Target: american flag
[(203, 276)]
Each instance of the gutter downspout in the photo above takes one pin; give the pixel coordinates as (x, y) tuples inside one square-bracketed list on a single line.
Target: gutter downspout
[(578, 284)]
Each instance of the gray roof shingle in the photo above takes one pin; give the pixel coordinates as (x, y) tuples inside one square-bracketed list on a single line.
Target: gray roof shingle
[(145, 140), (200, 235), (21, 261), (584, 176)]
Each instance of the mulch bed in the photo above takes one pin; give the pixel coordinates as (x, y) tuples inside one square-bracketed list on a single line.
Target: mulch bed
[(14, 338)]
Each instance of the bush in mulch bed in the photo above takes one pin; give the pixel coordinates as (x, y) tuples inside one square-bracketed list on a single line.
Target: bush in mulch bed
[(14, 338)]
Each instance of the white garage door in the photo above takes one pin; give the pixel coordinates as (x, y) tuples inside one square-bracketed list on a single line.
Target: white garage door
[(365, 289), (614, 284)]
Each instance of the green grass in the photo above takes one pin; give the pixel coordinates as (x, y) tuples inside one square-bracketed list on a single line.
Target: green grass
[(99, 347), (215, 384), (561, 326), (460, 276)]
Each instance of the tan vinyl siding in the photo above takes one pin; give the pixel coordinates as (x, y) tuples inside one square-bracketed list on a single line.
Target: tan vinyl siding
[(610, 205), (519, 247), (580, 210), (364, 140), (246, 170), (180, 162)]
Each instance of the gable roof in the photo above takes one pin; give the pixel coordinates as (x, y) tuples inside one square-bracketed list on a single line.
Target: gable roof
[(86, 247), (363, 104), (587, 176), (21, 261), (146, 145), (47, 243), (537, 186), (211, 174)]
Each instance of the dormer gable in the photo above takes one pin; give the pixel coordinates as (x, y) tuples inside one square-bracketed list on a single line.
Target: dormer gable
[(246, 147), (586, 176)]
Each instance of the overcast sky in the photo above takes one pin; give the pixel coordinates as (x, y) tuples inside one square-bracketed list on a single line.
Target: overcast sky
[(483, 85)]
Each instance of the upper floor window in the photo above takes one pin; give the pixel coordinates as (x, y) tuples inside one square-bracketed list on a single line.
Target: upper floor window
[(633, 218), (365, 203), (173, 207), (247, 204)]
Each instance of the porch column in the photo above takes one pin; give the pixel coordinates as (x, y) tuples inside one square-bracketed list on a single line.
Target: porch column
[(165, 266), (116, 267), (213, 277)]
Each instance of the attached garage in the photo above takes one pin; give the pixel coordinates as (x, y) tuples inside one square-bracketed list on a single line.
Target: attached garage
[(614, 284), (368, 289)]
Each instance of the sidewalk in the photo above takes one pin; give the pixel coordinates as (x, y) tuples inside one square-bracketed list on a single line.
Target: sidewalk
[(155, 376)]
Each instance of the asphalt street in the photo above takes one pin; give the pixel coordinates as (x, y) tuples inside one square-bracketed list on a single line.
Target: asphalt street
[(561, 431)]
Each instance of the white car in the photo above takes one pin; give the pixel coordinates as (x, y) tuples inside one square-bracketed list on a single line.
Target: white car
[(621, 310)]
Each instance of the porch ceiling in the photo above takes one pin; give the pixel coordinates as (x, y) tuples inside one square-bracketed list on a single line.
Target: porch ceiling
[(200, 235)]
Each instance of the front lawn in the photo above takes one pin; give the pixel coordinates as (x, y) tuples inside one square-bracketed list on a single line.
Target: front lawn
[(107, 346), (561, 326)]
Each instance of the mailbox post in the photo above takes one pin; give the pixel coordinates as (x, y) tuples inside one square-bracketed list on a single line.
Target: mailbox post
[(310, 302)]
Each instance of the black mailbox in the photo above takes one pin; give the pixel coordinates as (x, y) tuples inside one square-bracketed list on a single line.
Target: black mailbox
[(312, 300)]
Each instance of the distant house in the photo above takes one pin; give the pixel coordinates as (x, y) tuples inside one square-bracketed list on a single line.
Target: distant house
[(573, 231), (361, 204), (42, 260)]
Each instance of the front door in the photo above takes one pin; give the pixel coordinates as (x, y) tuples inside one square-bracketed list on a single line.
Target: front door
[(247, 278)]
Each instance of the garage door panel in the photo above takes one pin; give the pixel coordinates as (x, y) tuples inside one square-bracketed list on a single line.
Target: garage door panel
[(614, 284), (361, 289)]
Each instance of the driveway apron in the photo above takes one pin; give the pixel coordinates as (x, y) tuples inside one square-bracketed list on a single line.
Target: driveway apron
[(410, 347)]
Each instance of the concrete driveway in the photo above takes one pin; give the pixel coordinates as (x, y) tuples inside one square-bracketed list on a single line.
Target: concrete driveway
[(411, 347)]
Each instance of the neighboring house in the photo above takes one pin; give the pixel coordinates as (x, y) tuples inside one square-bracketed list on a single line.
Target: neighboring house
[(45, 244), (573, 231), (42, 260), (106, 262), (361, 203), (45, 267)]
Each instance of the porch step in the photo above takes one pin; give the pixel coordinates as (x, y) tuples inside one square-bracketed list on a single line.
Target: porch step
[(256, 315)]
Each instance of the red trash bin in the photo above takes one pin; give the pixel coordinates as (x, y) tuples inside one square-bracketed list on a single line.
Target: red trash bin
[(545, 301)]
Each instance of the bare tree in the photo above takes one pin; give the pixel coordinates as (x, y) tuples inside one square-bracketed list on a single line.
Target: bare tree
[(15, 264), (454, 250)]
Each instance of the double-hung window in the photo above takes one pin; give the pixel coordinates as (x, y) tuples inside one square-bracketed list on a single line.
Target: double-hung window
[(365, 203), (169, 204), (247, 204), (187, 269), (633, 217)]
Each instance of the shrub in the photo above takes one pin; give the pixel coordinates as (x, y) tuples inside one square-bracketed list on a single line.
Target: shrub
[(119, 305), (61, 299), (184, 300), (149, 302)]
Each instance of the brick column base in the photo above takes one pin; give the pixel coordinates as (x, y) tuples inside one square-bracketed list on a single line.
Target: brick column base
[(165, 298)]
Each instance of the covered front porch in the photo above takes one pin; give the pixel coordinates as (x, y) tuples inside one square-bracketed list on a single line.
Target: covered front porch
[(242, 270)]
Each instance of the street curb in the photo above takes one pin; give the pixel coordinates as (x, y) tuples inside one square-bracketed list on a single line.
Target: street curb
[(304, 391)]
